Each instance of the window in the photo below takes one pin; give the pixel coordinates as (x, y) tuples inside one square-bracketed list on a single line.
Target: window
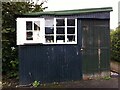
[(29, 31), (60, 31), (49, 30), (71, 32), (32, 29), (46, 31), (37, 31), (70, 22), (36, 25), (60, 22)]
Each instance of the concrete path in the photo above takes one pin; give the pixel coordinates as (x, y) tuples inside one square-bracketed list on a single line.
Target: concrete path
[(112, 83)]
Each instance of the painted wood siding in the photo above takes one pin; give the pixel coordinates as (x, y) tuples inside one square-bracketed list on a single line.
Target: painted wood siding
[(49, 63)]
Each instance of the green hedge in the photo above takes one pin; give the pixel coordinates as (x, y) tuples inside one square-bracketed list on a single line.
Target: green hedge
[(115, 44)]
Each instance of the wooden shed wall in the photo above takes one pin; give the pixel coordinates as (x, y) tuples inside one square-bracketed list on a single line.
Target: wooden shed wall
[(49, 63)]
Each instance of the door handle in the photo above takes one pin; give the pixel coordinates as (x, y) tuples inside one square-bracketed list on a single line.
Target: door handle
[(81, 49)]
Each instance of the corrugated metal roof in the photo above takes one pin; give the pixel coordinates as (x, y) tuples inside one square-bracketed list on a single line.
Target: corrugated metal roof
[(70, 12)]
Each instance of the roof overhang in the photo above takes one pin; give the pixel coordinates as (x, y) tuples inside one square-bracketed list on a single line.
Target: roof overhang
[(68, 12)]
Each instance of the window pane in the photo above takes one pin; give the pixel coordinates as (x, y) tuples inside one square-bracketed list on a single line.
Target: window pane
[(49, 30), (60, 38), (37, 25), (29, 35), (70, 30), (60, 22), (28, 25), (70, 22), (60, 30), (49, 39), (71, 38), (49, 22)]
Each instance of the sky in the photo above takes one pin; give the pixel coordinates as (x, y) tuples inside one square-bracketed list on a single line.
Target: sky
[(119, 13), (55, 5)]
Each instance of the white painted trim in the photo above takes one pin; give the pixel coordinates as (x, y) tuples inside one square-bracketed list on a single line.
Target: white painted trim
[(21, 31), (66, 30), (76, 30), (55, 30)]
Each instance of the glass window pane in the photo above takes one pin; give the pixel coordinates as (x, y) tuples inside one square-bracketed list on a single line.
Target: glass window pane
[(28, 25), (49, 30), (37, 25), (70, 22), (49, 22), (29, 36), (60, 22), (71, 38), (60, 30), (70, 30), (60, 38), (49, 39)]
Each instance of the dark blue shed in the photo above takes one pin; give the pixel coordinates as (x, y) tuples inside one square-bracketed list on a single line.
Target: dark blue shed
[(64, 45)]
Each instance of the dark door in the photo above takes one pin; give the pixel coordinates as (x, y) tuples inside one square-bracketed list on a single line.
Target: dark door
[(95, 45)]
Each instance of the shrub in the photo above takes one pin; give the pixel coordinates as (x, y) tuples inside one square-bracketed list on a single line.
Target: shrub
[(115, 44), (36, 83)]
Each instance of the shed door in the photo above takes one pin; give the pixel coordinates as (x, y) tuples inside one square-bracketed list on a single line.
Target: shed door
[(95, 45)]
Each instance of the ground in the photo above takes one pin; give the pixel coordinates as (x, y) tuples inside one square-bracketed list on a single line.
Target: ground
[(99, 83)]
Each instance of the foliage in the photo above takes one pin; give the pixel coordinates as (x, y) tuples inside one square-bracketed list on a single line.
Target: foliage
[(36, 83), (115, 44), (107, 78), (9, 47)]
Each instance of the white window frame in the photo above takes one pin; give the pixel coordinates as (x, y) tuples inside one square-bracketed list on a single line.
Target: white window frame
[(41, 31), (48, 27), (71, 34), (65, 32), (21, 31)]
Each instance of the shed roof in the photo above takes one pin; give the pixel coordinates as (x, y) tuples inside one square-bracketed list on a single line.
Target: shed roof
[(70, 12)]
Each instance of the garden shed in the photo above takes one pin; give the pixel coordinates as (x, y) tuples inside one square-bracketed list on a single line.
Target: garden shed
[(56, 46)]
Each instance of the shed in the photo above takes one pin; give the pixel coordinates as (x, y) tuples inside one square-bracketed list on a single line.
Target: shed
[(56, 46)]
